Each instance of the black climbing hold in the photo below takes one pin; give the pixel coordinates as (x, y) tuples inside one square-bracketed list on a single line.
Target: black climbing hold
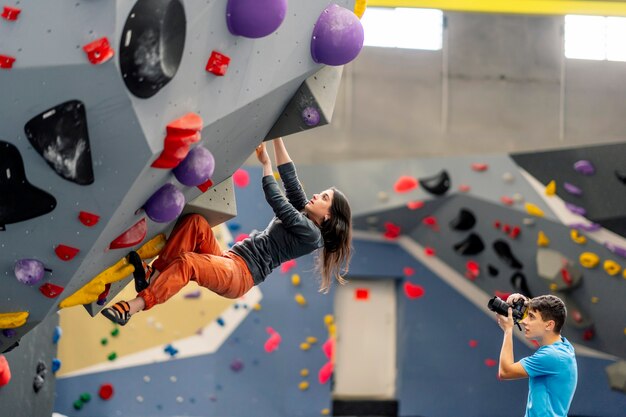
[(61, 136), (471, 245), (518, 281), (621, 175), (20, 200), (465, 220), (38, 382), (493, 271), (151, 45), (503, 250), (438, 184), (42, 369)]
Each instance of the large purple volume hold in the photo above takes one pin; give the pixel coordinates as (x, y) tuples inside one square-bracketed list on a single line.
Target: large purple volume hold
[(255, 18), (165, 204), (337, 36), (29, 271), (196, 168)]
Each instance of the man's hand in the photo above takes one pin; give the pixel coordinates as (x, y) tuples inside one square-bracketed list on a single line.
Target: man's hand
[(262, 155), (514, 297), (506, 323)]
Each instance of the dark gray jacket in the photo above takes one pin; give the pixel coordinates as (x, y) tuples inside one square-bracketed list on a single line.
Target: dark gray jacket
[(288, 236)]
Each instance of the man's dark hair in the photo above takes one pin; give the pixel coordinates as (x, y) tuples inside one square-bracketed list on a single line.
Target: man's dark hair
[(550, 307)]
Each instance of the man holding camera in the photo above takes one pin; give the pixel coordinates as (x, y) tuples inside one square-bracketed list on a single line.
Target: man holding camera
[(552, 369)]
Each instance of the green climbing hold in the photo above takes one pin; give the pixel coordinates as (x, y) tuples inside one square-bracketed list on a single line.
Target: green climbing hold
[(78, 404), (104, 341), (112, 356), (115, 332), (85, 397)]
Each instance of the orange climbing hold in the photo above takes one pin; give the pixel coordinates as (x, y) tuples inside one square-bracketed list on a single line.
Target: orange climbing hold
[(99, 51), (404, 184), (131, 237)]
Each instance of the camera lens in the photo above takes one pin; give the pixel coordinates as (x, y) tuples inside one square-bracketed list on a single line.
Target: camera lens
[(497, 305)]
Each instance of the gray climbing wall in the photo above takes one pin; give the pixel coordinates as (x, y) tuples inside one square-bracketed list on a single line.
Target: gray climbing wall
[(83, 120)]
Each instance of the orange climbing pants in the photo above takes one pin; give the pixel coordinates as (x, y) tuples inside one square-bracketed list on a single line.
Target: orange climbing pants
[(193, 254)]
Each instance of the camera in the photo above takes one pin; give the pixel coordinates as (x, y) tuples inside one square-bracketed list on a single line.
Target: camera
[(499, 306)]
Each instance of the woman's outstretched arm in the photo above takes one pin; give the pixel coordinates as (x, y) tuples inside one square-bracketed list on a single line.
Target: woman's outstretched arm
[(282, 156), (264, 159)]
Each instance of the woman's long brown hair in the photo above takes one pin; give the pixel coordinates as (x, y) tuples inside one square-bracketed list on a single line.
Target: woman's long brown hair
[(334, 261)]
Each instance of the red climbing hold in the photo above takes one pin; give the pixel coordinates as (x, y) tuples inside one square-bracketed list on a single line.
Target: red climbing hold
[(501, 294), (11, 13), (414, 205), (186, 125), (431, 221), (491, 362), (325, 372), (479, 167), (241, 237), (217, 64), (472, 270), (588, 334), (6, 61), (5, 371), (51, 290), (205, 186), (464, 188), (131, 237), (566, 276), (506, 228), (66, 253), (408, 271), (106, 391), (497, 224), (104, 294), (515, 232), (429, 251), (473, 343), (88, 219), (404, 184), (508, 201), (273, 342), (241, 178), (175, 149), (413, 291), (287, 266), (98, 51), (362, 294), (392, 231)]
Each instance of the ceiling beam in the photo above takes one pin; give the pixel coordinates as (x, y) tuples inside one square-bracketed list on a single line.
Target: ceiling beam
[(546, 7)]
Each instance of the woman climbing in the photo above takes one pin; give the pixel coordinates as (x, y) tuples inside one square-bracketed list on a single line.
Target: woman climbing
[(300, 226)]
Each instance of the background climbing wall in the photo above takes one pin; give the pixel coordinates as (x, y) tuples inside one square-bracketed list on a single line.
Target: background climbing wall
[(101, 111)]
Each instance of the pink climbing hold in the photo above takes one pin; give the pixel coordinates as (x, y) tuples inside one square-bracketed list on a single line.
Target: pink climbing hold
[(241, 178), (408, 271), (507, 201), (392, 231), (431, 222), (273, 342), (326, 371), (286, 266), (414, 205), (5, 371), (428, 251), (473, 343), (329, 347), (480, 167), (464, 188), (472, 270), (413, 291), (404, 184), (490, 362), (241, 237)]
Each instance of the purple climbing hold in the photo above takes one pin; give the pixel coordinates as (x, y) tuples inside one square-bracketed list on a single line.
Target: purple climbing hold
[(165, 204), (616, 249), (591, 227), (255, 18), (196, 168), (337, 36), (584, 167), (236, 365), (311, 116), (9, 333), (29, 271), (576, 209), (572, 189)]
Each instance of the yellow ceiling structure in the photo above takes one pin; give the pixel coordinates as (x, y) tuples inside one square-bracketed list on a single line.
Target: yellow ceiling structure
[(546, 7)]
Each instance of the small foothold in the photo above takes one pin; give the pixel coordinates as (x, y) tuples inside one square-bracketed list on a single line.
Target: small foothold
[(217, 63), (304, 372), (533, 210), (584, 167), (56, 334), (621, 175), (10, 13), (492, 270), (591, 227), (428, 251), (112, 356), (506, 200), (577, 237), (56, 365), (236, 365), (508, 177), (480, 167), (66, 253), (611, 267), (391, 231), (572, 189), (98, 51), (464, 188), (542, 239), (300, 299), (50, 290), (515, 232), (576, 209), (106, 391), (414, 205), (404, 184), (589, 259), (408, 271), (295, 280), (551, 188), (38, 383), (431, 222), (303, 386), (6, 62), (413, 291), (305, 346)]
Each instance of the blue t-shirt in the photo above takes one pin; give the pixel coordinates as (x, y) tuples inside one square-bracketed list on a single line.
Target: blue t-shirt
[(553, 375)]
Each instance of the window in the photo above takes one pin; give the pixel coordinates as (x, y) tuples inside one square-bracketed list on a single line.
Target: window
[(408, 28), (595, 37)]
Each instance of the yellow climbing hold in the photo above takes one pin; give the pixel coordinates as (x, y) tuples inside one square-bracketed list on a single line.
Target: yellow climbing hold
[(276, 175), (542, 239), (325, 411), (295, 280), (89, 292), (332, 330), (300, 299), (595, 300), (551, 188), (624, 273), (589, 259), (359, 8), (305, 346), (624, 330), (13, 320), (311, 339), (611, 267), (553, 287), (328, 319), (303, 386), (304, 372), (577, 237), (533, 210), (257, 307)]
